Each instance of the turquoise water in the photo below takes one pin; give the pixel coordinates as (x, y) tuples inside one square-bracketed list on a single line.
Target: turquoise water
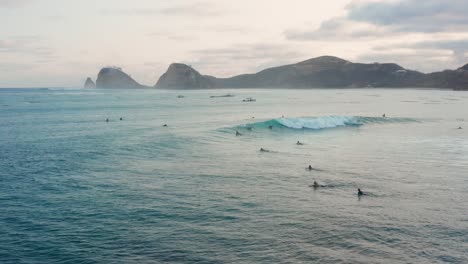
[(77, 189)]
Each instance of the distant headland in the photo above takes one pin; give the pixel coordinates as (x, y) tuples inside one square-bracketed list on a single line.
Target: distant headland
[(320, 72)]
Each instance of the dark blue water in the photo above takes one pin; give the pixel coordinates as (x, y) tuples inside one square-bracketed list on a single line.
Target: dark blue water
[(77, 189)]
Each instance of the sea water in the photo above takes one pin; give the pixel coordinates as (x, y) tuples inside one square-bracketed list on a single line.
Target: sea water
[(77, 189)]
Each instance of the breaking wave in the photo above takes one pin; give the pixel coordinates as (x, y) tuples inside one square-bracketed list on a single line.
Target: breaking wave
[(324, 122)]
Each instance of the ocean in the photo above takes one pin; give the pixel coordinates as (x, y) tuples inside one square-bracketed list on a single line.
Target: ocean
[(77, 189)]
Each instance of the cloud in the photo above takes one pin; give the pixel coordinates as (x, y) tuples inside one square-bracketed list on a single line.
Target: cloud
[(251, 52), (376, 19), (195, 32), (424, 35), (13, 3), (171, 36), (454, 45), (15, 67), (27, 47), (337, 29), (230, 29), (425, 61), (413, 15), (198, 9), (449, 51), (243, 58), (55, 18)]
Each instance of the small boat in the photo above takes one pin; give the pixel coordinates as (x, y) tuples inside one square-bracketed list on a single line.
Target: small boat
[(249, 99), (225, 95)]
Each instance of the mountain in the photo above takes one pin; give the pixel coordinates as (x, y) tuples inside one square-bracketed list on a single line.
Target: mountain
[(321, 72), (112, 77), (89, 83), (464, 68), (326, 72), (457, 80), (183, 76)]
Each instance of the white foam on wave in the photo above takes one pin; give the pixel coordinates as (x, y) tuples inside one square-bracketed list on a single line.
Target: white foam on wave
[(319, 122)]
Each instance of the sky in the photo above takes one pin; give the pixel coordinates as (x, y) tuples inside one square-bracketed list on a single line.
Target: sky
[(59, 43)]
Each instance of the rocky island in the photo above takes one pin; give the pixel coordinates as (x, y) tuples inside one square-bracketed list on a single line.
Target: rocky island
[(114, 77), (321, 72), (179, 75), (89, 83)]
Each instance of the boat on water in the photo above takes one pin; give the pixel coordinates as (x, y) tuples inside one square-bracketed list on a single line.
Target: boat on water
[(249, 99), (225, 95)]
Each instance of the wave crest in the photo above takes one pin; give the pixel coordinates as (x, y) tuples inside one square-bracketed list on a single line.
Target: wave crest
[(324, 122)]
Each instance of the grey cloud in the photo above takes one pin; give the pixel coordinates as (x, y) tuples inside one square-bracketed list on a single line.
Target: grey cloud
[(340, 29), (427, 56), (335, 29), (455, 44), (383, 19), (413, 15), (426, 61), (322, 32), (461, 44), (454, 50)]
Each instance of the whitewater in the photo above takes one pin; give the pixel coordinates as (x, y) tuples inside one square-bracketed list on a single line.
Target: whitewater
[(323, 122), (77, 189)]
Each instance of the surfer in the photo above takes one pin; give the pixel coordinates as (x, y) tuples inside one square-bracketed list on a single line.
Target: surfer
[(384, 116), (249, 128), (359, 192), (121, 118), (299, 143), (270, 127), (165, 125), (315, 185), (264, 150), (460, 127), (310, 167), (107, 119), (238, 134)]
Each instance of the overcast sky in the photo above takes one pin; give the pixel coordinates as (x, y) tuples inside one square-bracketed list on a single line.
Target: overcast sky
[(61, 42)]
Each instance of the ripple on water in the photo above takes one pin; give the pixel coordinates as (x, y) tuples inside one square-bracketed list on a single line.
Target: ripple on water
[(74, 189)]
